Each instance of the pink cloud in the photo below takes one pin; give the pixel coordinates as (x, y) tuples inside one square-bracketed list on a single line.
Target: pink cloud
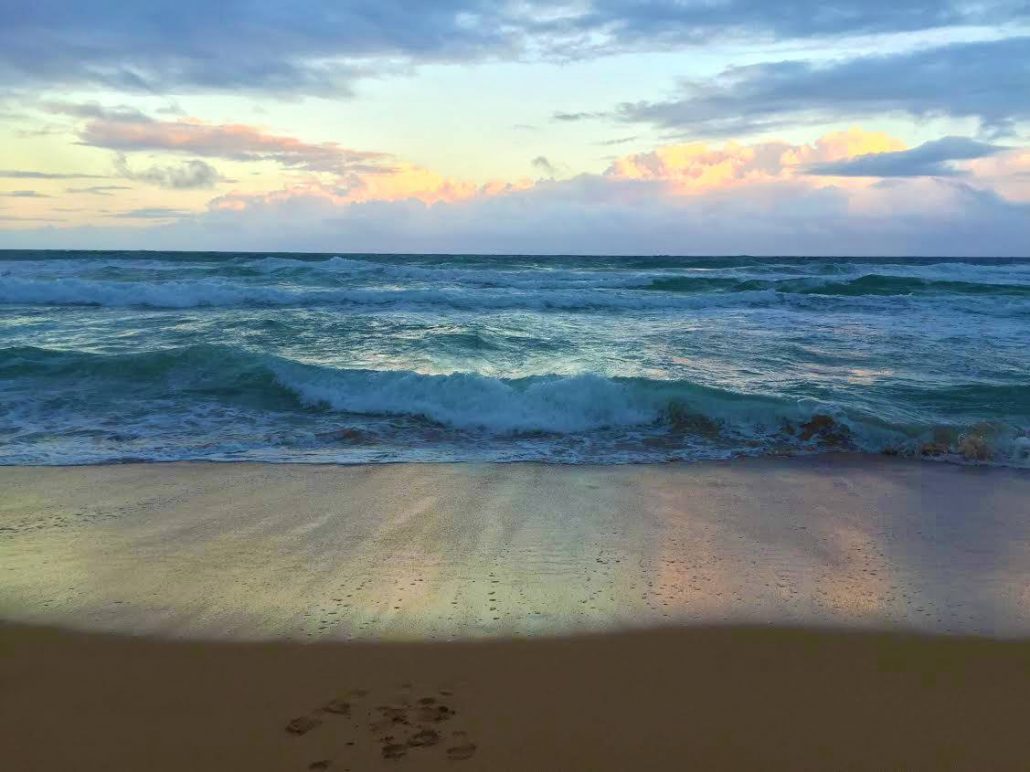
[(238, 142)]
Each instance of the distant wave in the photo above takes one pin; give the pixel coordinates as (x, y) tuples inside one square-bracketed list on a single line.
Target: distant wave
[(205, 292), (497, 276), (868, 284), (171, 294), (671, 293)]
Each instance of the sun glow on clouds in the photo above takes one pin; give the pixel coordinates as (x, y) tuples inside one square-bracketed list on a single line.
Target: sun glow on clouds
[(404, 182), (680, 198), (1008, 173), (683, 169), (699, 167), (408, 181), (269, 187)]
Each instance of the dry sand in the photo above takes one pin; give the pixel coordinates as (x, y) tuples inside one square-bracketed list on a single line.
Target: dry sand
[(665, 700)]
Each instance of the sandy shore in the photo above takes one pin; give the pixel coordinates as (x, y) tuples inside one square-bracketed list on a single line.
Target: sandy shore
[(534, 576), (463, 551), (686, 699)]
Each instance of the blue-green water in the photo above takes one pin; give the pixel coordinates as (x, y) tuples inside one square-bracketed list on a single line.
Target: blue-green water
[(364, 358)]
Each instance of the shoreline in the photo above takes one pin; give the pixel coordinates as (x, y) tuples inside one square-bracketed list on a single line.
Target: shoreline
[(711, 698), (815, 456)]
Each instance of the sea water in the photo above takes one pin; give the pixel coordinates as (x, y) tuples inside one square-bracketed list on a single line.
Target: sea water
[(160, 356)]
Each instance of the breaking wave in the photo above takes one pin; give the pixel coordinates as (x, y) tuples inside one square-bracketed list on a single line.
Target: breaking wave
[(640, 413)]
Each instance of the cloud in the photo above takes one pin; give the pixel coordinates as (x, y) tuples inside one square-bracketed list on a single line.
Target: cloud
[(190, 175), (26, 174), (691, 198), (929, 159), (575, 117), (970, 80), (692, 168), (18, 218), (95, 110), (151, 213), (25, 194), (98, 190), (359, 175), (236, 142), (542, 164), (405, 182), (1007, 173), (273, 46), (321, 47), (674, 22), (596, 215)]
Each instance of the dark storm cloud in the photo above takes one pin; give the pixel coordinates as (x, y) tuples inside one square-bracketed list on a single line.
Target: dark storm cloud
[(972, 80), (321, 46), (931, 159)]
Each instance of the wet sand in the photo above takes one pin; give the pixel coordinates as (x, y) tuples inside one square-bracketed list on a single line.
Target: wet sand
[(726, 698), (457, 551)]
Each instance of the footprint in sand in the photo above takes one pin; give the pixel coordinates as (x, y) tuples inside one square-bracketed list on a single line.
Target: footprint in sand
[(394, 750), (303, 724), (461, 752), (424, 738), (339, 707), (400, 727)]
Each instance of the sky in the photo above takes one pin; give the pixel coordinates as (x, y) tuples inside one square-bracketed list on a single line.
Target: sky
[(865, 127)]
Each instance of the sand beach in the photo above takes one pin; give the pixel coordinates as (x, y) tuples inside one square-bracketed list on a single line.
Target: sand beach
[(830, 612)]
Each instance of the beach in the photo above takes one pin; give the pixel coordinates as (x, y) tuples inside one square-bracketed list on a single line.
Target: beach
[(442, 551), (587, 386), (826, 612), (726, 698)]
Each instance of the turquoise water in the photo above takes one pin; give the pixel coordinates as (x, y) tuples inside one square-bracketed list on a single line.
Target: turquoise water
[(362, 358)]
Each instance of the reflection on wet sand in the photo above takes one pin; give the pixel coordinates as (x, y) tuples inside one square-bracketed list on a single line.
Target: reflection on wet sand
[(445, 551)]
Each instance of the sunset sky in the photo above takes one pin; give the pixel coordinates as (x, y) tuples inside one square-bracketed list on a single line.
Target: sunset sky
[(595, 126)]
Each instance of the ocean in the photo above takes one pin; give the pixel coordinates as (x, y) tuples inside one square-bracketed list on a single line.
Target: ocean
[(162, 356)]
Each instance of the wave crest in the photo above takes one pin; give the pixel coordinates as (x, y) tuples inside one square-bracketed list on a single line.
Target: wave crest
[(640, 417)]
